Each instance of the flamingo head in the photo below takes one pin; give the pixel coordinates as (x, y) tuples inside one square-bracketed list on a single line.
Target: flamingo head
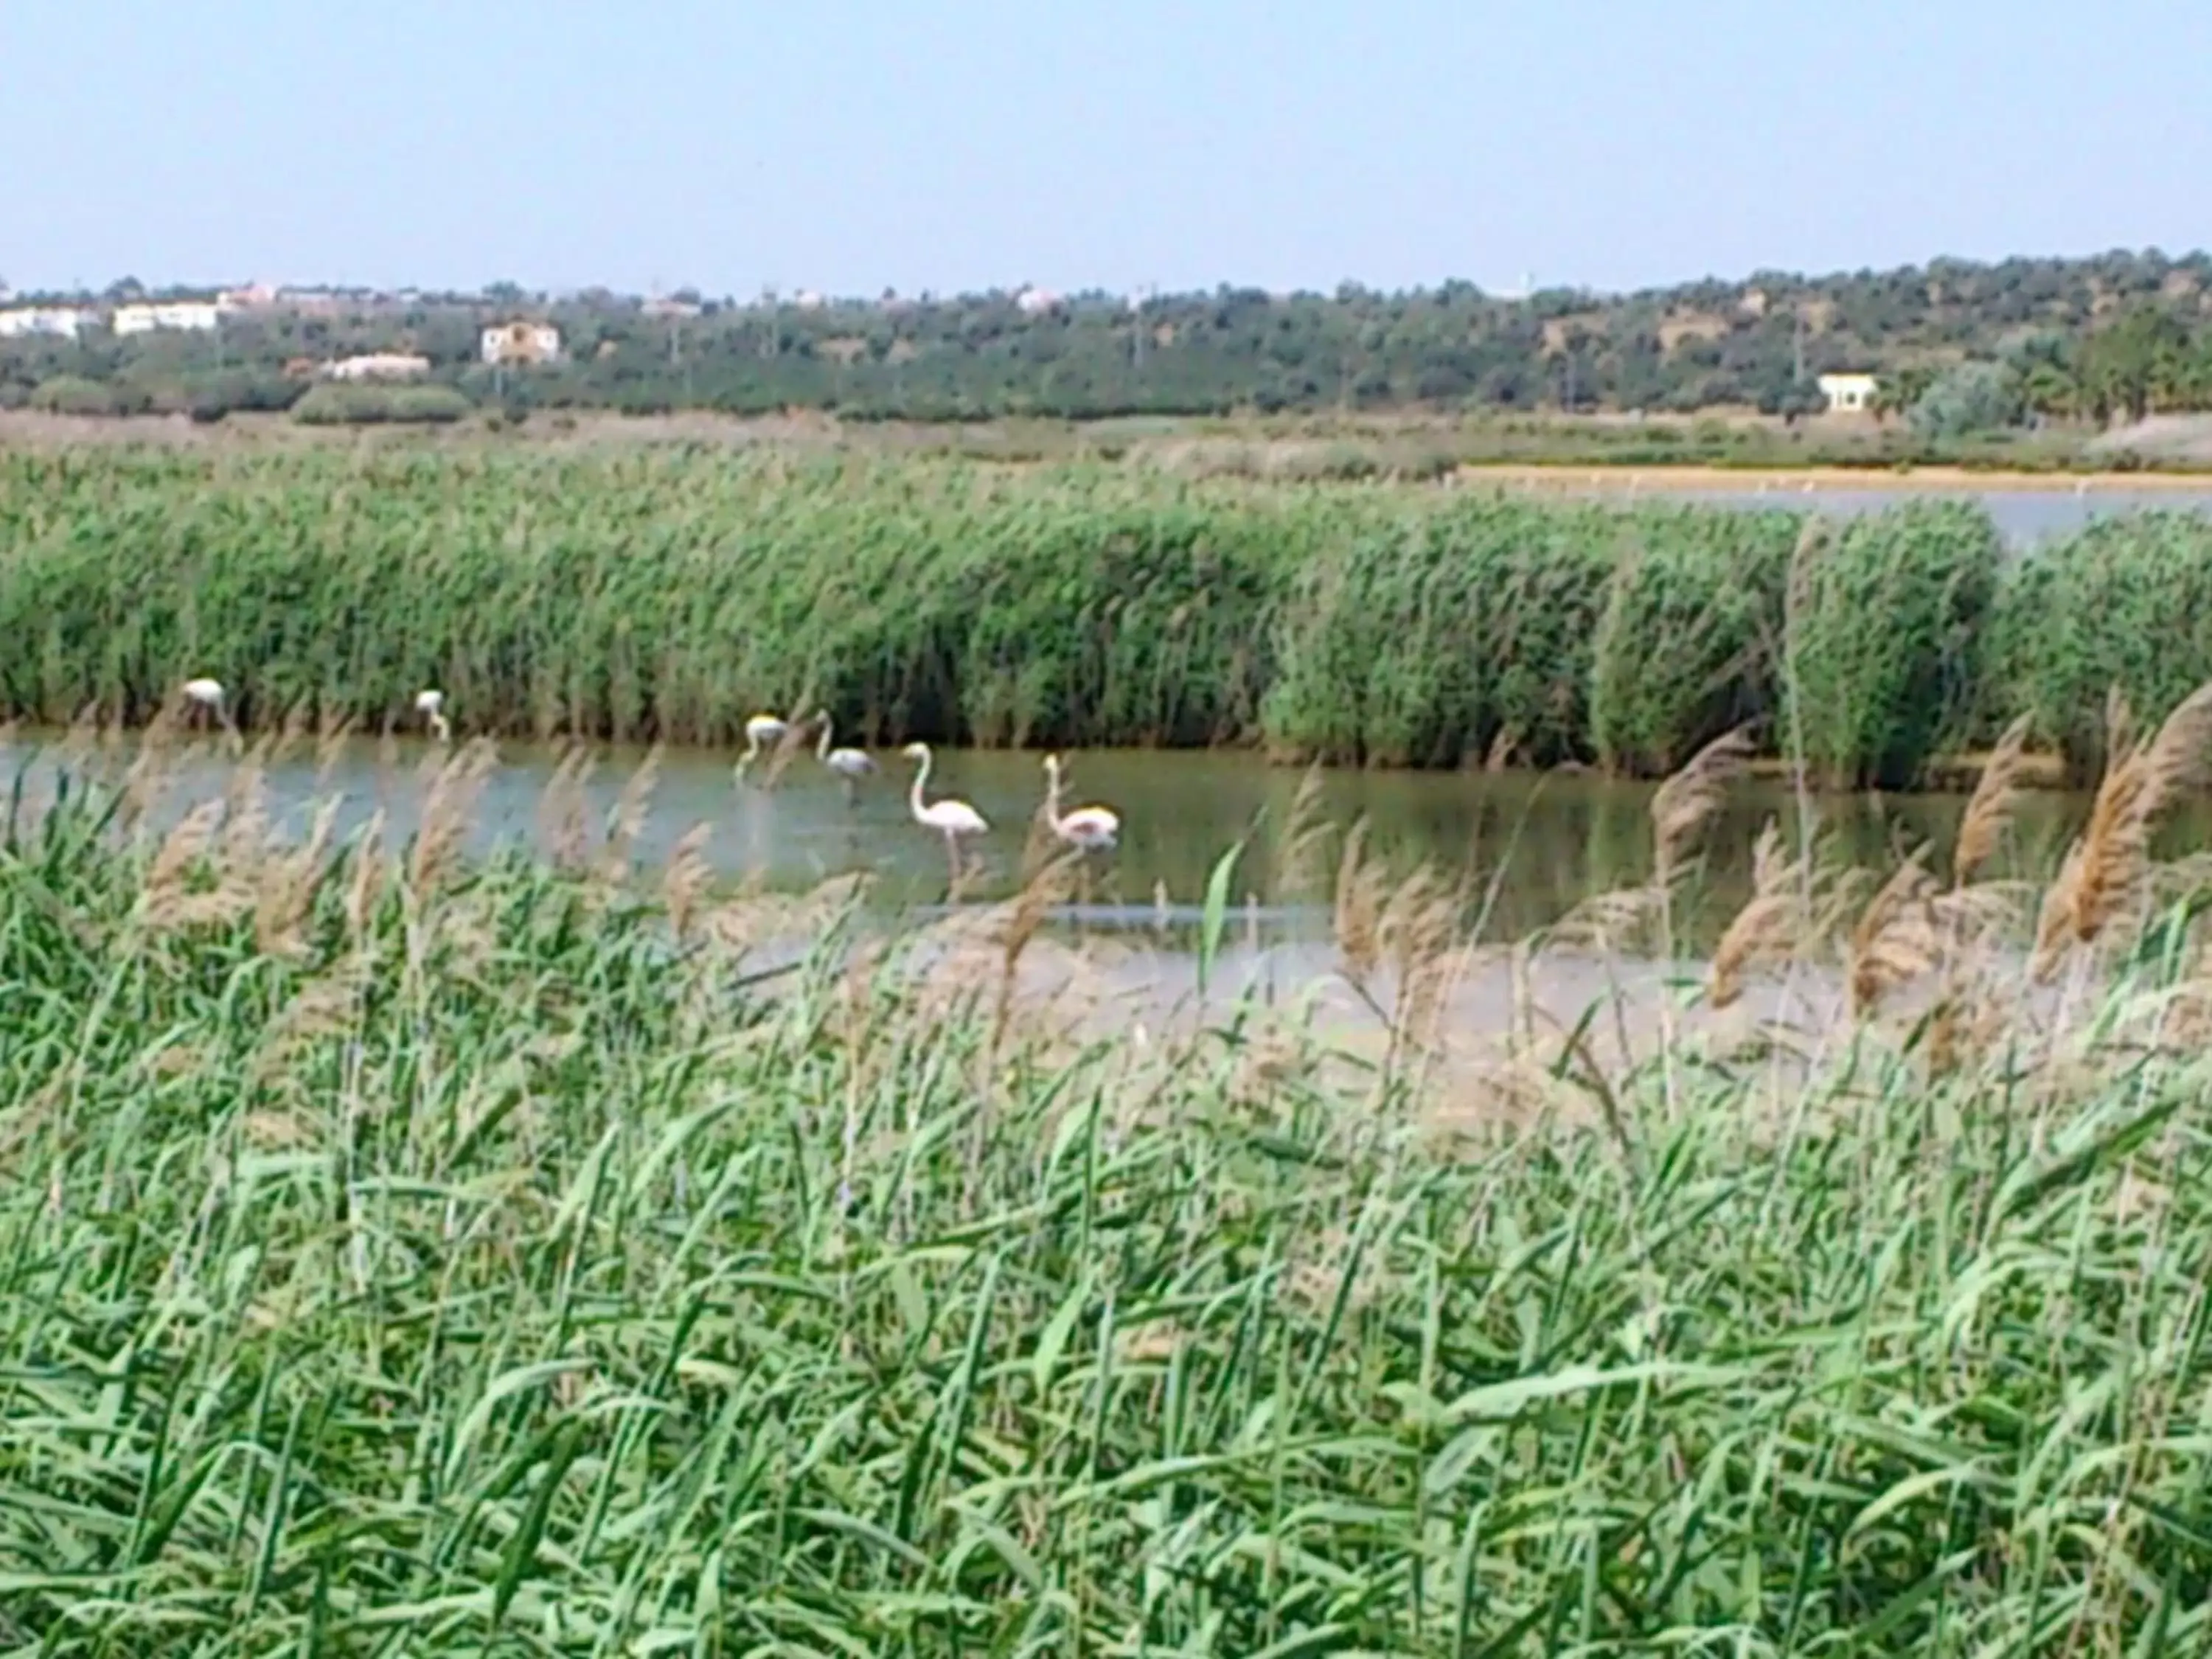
[(916, 751), (1052, 765)]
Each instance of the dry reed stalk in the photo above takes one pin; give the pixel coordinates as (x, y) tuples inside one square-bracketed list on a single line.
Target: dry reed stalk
[(563, 810), (1896, 940), (1605, 924), (286, 892), (1275, 1054), (151, 770), (750, 914), (787, 746), (1503, 748), (172, 898), (1046, 887), (1501, 1093), (447, 812), (1418, 931), (245, 831), (1686, 803), (1989, 809), (468, 929), (1357, 913), (330, 742), (633, 807), (183, 847), (1301, 858), (1773, 924), (686, 879), (79, 743), (326, 1006), (365, 886), (292, 732), (2107, 867)]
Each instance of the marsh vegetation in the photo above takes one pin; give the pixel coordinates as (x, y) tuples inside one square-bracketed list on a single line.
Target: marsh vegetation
[(671, 595), (406, 1252)]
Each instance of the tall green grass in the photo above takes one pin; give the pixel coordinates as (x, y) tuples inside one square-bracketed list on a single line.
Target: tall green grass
[(672, 594), (2127, 603), (1425, 640), (1886, 619), (1687, 642), (400, 1259)]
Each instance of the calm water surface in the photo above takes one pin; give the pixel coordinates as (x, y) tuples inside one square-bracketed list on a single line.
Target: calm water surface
[(2023, 517), (1526, 848)]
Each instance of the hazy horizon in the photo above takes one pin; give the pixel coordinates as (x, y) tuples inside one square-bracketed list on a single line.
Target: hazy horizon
[(850, 149), (212, 284)]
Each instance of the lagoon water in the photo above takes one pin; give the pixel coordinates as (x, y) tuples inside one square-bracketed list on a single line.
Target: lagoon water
[(2023, 517), (1523, 849)]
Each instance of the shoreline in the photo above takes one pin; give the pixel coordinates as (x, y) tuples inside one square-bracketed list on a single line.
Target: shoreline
[(1023, 445), (1704, 475)]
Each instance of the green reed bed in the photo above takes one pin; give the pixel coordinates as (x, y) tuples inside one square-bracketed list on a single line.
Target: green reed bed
[(1885, 617), (672, 594), (2126, 604), (405, 1259)]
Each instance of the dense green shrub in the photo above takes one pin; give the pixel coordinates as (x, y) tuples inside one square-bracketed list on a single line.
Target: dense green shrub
[(73, 394), (333, 404)]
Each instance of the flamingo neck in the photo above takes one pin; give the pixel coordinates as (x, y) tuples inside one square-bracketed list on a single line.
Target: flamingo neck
[(1052, 798), (822, 743), (920, 778)]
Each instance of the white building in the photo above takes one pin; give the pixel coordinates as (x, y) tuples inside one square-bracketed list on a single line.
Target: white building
[(1035, 302), (378, 366), (1848, 394), (55, 322), (192, 316), (520, 343)]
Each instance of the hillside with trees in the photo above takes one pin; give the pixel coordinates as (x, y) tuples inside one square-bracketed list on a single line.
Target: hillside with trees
[(1957, 346)]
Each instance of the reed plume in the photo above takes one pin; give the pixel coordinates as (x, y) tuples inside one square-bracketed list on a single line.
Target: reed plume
[(1989, 809), (2106, 867), (1770, 925), (1686, 803), (1896, 940), (686, 879)]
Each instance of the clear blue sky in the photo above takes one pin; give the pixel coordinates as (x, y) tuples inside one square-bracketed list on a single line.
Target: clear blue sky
[(848, 147)]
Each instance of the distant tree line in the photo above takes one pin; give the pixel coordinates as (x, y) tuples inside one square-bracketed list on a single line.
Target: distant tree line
[(2121, 335)]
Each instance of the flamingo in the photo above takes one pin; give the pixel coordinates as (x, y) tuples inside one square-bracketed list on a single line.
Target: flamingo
[(207, 693), (949, 818), (1093, 828), (760, 730), (431, 705), (850, 765)]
